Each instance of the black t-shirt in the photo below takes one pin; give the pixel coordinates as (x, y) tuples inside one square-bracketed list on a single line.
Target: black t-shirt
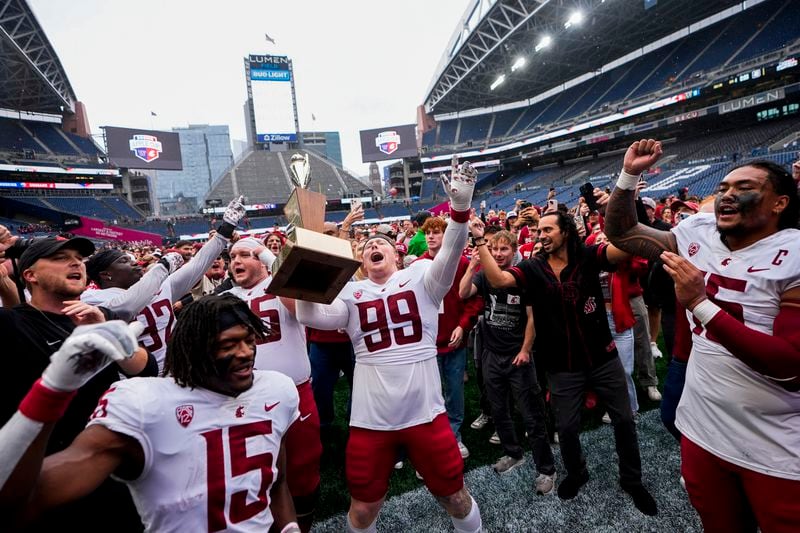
[(504, 317), (571, 325), (30, 337)]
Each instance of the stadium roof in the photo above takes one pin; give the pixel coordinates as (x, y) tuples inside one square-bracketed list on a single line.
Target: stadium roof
[(498, 43), (31, 75)]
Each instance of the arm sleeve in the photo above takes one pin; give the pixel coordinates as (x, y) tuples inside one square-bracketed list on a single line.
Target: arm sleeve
[(321, 316), (189, 274), (472, 308), (776, 356), (439, 277), (138, 295)]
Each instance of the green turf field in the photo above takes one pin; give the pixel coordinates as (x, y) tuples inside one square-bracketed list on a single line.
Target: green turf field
[(334, 498)]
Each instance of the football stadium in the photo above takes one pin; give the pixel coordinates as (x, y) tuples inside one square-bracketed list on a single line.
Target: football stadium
[(542, 97)]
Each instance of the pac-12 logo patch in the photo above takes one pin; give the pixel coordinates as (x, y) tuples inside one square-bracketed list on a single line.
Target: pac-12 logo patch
[(387, 142), (590, 306), (145, 147), (357, 294), (184, 414), (693, 249)]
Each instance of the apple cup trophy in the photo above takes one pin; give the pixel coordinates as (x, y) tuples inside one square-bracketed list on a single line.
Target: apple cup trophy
[(312, 266)]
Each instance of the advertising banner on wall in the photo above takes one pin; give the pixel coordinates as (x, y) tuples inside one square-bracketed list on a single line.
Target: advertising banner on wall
[(97, 229)]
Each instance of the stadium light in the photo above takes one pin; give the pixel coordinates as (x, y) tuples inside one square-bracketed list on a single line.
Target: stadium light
[(544, 42), (575, 18), (500, 79), (518, 64)]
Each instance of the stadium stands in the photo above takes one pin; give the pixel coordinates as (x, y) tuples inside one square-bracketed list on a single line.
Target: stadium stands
[(759, 30), (42, 138), (263, 177)]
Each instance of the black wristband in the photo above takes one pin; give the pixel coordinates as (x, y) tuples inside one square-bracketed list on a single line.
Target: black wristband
[(226, 229), (150, 370)]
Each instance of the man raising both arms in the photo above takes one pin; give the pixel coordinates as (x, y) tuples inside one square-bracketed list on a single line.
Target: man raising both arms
[(200, 450), (392, 319), (737, 273), (283, 350)]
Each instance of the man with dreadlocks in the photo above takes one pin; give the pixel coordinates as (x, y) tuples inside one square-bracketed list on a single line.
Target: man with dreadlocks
[(115, 273), (573, 336), (200, 450), (392, 318), (283, 350)]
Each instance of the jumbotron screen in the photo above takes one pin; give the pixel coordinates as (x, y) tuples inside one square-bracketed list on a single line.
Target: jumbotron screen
[(271, 86), (394, 142), (143, 149)]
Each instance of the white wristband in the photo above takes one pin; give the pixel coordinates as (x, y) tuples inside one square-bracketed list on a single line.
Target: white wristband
[(705, 311), (267, 257), (627, 181), (291, 527)]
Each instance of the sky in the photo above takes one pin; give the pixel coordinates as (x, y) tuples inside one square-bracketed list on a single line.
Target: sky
[(358, 64)]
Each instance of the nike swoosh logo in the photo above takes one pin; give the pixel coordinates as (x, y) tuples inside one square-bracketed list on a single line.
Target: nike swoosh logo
[(52, 343), (303, 418), (404, 283), (269, 408), (751, 269)]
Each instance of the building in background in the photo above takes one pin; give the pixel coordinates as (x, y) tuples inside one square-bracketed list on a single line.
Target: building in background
[(325, 143), (206, 154), (375, 179)]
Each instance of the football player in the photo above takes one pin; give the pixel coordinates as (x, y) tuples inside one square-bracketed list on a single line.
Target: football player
[(200, 450), (392, 319), (737, 273)]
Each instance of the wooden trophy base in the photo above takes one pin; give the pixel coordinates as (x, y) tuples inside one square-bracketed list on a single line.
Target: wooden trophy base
[(312, 266)]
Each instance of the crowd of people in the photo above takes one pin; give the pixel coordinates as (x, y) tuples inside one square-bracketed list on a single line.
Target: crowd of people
[(176, 371)]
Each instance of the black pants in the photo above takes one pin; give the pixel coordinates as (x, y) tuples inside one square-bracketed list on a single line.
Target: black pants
[(567, 391), (501, 377), (478, 352)]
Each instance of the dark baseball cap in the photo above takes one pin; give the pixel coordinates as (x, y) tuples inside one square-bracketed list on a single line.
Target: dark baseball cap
[(48, 246)]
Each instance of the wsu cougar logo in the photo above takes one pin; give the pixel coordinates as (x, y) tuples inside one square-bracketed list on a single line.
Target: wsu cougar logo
[(184, 414), (590, 306)]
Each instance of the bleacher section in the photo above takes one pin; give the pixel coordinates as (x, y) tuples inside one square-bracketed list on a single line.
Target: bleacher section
[(42, 138), (263, 177), (761, 29), (698, 163)]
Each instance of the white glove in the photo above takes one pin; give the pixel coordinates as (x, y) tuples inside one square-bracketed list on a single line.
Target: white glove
[(88, 350), (267, 258), (460, 185), (172, 261), (235, 211)]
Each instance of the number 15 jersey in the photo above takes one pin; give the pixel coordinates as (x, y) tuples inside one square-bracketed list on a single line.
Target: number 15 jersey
[(727, 407), (209, 459)]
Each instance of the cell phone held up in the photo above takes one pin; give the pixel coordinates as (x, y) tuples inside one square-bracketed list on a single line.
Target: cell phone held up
[(355, 204), (587, 193)]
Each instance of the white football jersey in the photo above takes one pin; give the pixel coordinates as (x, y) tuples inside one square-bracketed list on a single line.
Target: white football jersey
[(158, 317), (209, 459), (284, 350), (727, 407), (393, 328)]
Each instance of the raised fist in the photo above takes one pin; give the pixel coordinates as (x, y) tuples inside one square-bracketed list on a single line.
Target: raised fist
[(460, 185), (642, 155), (88, 350), (235, 211), (172, 261)]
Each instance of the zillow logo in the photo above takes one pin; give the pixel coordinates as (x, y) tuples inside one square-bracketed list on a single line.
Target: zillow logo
[(145, 147), (387, 142)]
